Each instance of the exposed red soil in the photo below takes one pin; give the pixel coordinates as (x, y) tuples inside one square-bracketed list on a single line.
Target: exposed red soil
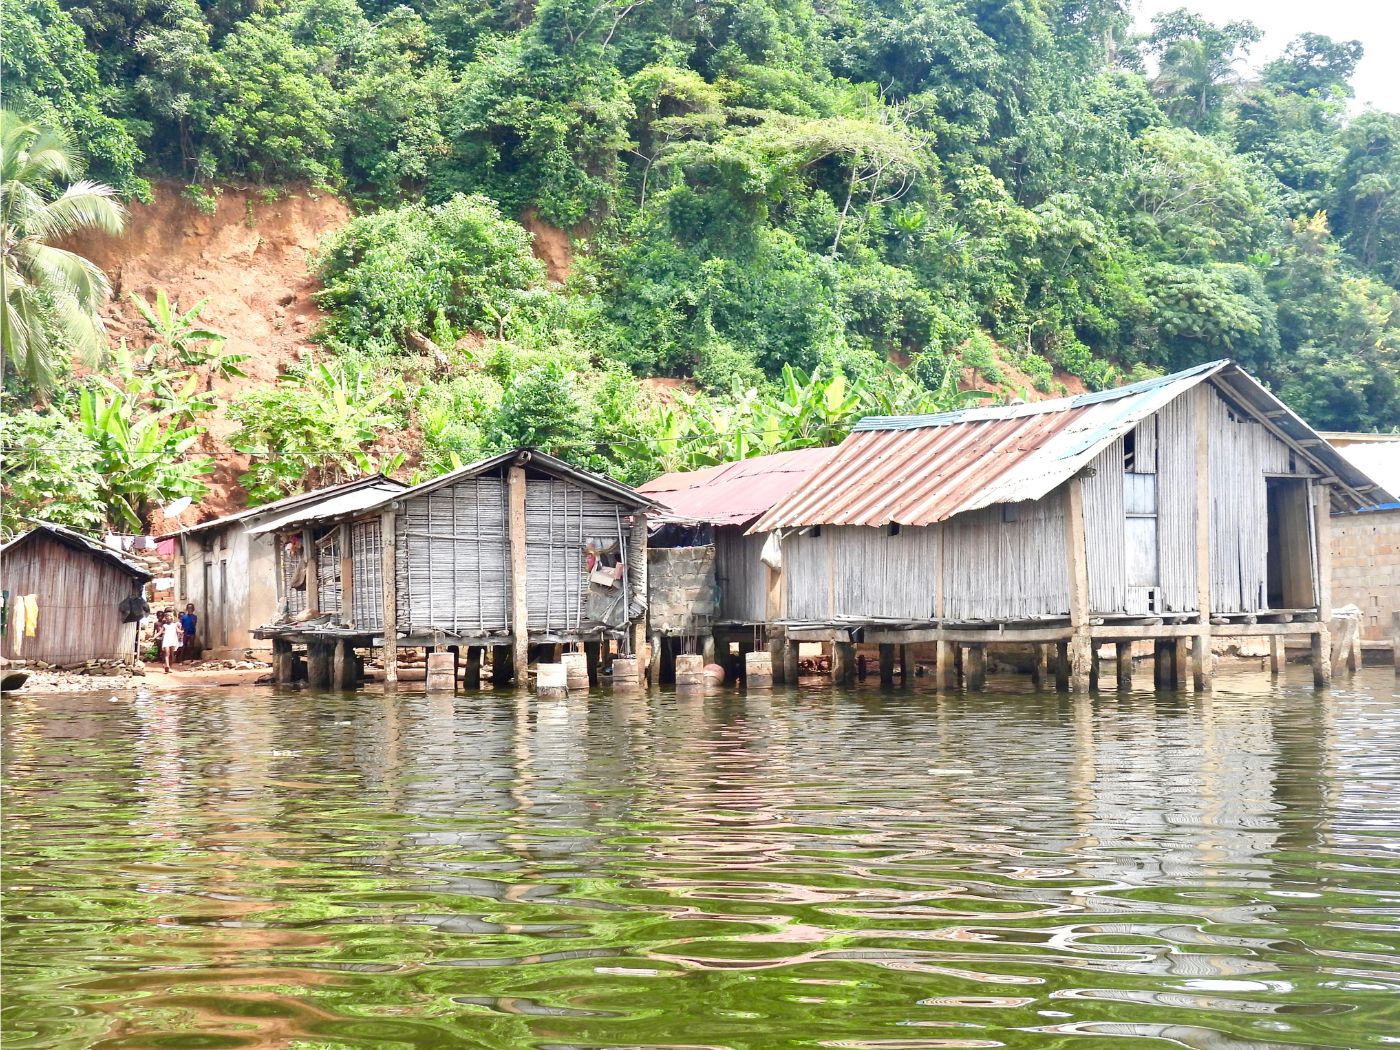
[(552, 246)]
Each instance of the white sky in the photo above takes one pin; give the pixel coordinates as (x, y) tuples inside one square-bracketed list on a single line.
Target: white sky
[(1376, 23)]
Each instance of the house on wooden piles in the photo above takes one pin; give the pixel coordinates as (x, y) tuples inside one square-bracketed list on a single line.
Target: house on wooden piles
[(229, 569), (1366, 545), (707, 580), (1178, 509), (66, 599), (517, 550)]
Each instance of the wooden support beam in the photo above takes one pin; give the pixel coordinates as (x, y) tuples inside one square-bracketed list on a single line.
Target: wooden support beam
[(887, 654), (1181, 662), (776, 650), (1277, 655), (1062, 667), (347, 577), (995, 635), (593, 656), (946, 672), (1201, 670), (313, 573), (502, 666), (792, 666), (388, 565), (318, 665), (906, 664), (1123, 653), (344, 667), (1080, 647), (843, 663), (1322, 559), (1040, 665), (975, 661), (1163, 663), (657, 647), (473, 678), (519, 584), (283, 661)]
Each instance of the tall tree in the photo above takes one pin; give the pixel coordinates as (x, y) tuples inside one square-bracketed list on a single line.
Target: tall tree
[(51, 295)]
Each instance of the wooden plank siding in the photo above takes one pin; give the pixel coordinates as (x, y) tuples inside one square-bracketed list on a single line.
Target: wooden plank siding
[(741, 576), (77, 593)]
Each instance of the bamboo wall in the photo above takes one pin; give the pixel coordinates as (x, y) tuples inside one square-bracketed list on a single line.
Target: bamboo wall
[(78, 595), (367, 575), (328, 573), (453, 559)]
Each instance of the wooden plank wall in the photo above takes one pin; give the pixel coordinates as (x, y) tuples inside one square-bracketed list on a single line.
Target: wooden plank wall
[(1104, 532), (78, 595), (742, 578), (367, 576), (996, 569), (451, 561)]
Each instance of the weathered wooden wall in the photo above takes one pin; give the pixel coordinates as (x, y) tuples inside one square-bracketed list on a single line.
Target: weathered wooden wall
[(452, 562), (78, 595), (367, 575), (328, 573), (741, 575)]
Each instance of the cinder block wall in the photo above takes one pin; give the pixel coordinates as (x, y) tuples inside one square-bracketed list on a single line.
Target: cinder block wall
[(1366, 567)]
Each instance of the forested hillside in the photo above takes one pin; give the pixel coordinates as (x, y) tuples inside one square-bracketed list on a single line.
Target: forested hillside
[(749, 184)]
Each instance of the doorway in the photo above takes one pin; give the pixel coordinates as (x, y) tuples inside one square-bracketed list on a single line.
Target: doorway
[(1289, 550)]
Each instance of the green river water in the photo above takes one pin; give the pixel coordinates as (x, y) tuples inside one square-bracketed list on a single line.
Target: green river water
[(807, 868)]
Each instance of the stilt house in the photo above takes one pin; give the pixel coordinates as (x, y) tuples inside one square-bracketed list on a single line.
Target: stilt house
[(229, 570), (76, 590), (516, 550), (1175, 509), (707, 578)]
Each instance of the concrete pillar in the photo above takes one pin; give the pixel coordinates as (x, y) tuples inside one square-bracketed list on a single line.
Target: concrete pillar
[(1123, 664), (690, 671), (473, 678), (843, 663), (758, 670), (975, 662), (792, 666), (551, 681), (575, 671), (318, 665), (707, 647), (441, 673), (887, 655), (1080, 654), (946, 673), (626, 674)]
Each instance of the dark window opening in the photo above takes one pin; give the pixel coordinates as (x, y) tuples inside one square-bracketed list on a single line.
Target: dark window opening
[(1130, 451), (1288, 566), (1010, 512), (894, 528)]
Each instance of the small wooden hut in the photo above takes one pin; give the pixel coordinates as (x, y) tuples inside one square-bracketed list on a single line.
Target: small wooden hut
[(708, 580), (229, 571), (77, 587), (517, 550), (1178, 510)]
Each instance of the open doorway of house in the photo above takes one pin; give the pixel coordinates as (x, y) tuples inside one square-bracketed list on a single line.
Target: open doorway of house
[(1289, 569)]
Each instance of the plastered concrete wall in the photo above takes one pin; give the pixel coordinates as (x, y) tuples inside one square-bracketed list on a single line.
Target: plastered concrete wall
[(1366, 567), (242, 586)]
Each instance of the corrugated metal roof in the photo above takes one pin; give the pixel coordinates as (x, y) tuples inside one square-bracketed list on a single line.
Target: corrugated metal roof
[(84, 544), (534, 459), (735, 493), (301, 499), (345, 503), (917, 470)]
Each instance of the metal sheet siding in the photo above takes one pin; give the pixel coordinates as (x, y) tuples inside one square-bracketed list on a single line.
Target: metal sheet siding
[(77, 596)]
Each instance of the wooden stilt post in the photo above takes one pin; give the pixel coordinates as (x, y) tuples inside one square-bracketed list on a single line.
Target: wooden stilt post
[(1080, 648), (1163, 653), (776, 652), (388, 562), (282, 661), (593, 656), (975, 661), (473, 679), (1322, 536), (886, 664), (906, 664), (313, 574), (1278, 655), (1093, 666), (1202, 671), (519, 584), (343, 663), (843, 663), (1062, 667), (1182, 662), (792, 666), (1124, 665), (347, 577), (946, 672), (502, 666), (1040, 665), (318, 665), (657, 646)]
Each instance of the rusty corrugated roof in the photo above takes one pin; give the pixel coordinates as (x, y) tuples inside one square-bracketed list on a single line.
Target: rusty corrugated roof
[(735, 493)]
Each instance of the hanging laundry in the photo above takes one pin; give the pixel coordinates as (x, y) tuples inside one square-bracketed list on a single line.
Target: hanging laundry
[(31, 614)]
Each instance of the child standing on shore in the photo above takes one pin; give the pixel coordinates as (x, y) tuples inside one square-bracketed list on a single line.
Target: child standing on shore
[(169, 640)]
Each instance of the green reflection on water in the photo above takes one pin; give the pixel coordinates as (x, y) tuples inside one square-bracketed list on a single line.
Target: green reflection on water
[(243, 868)]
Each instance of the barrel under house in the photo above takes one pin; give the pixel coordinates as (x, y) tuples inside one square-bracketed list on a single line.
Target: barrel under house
[(459, 562), (1177, 510)]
